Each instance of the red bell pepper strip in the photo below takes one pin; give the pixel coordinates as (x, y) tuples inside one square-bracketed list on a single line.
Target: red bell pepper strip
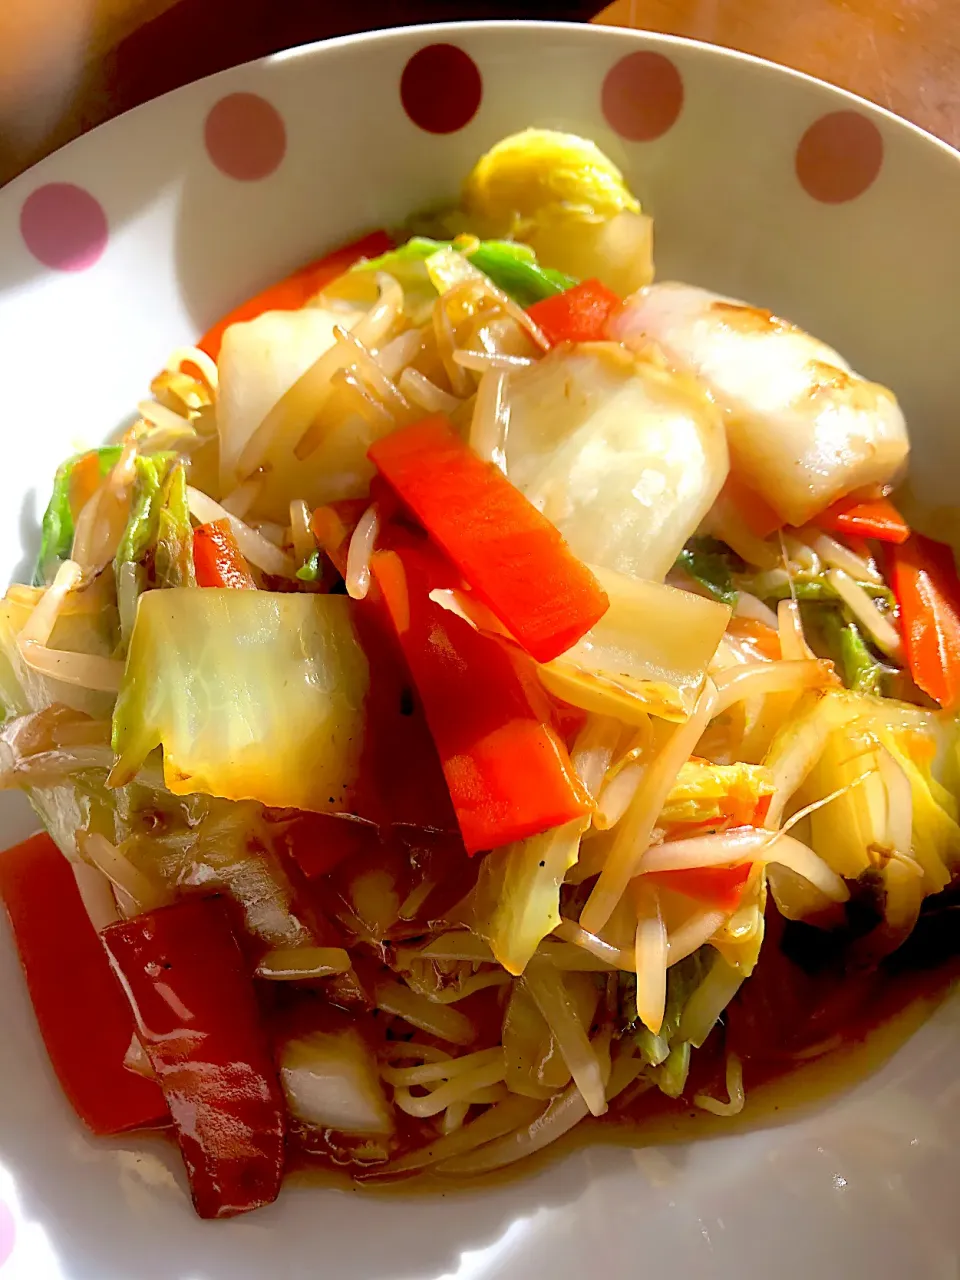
[(400, 782), (509, 553), (84, 1017), (197, 1017), (718, 887), (580, 314), (875, 518), (507, 770), (924, 579), (296, 290), (217, 558)]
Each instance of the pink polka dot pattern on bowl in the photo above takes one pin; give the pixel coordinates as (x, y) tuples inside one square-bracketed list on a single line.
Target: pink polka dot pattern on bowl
[(8, 1232), (441, 88), (245, 137), (63, 226), (839, 156), (642, 96)]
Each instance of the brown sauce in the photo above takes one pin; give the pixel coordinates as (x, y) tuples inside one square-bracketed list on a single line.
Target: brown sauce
[(844, 1032)]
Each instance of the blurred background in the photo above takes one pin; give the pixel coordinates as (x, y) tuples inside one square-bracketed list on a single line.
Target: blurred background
[(68, 65)]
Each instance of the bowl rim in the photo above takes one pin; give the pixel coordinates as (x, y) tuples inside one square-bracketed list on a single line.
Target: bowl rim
[(507, 26)]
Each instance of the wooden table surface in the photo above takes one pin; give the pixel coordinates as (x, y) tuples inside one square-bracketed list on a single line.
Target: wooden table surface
[(902, 54), (68, 65)]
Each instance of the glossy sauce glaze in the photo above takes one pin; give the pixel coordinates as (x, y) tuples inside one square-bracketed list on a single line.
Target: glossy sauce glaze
[(805, 1032)]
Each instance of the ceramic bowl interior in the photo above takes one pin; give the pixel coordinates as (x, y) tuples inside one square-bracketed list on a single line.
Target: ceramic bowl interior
[(765, 185)]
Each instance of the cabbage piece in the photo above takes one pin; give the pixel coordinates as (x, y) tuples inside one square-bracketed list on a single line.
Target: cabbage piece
[(330, 1080), (935, 835), (518, 893), (849, 832), (252, 694), (534, 1065), (561, 195), (625, 457), (740, 937), (259, 361), (87, 623), (511, 266), (717, 794), (141, 531), (648, 653), (804, 428), (539, 169), (56, 529), (173, 565)]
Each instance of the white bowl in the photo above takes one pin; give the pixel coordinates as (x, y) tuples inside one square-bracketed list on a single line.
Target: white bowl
[(764, 184)]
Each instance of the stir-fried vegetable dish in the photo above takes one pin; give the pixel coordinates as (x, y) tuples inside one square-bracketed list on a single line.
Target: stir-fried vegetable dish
[(483, 690)]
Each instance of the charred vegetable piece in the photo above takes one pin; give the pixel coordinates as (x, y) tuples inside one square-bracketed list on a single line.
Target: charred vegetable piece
[(85, 1021), (509, 553), (198, 1021)]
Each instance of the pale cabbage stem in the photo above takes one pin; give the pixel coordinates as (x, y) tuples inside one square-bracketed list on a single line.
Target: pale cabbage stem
[(636, 827)]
